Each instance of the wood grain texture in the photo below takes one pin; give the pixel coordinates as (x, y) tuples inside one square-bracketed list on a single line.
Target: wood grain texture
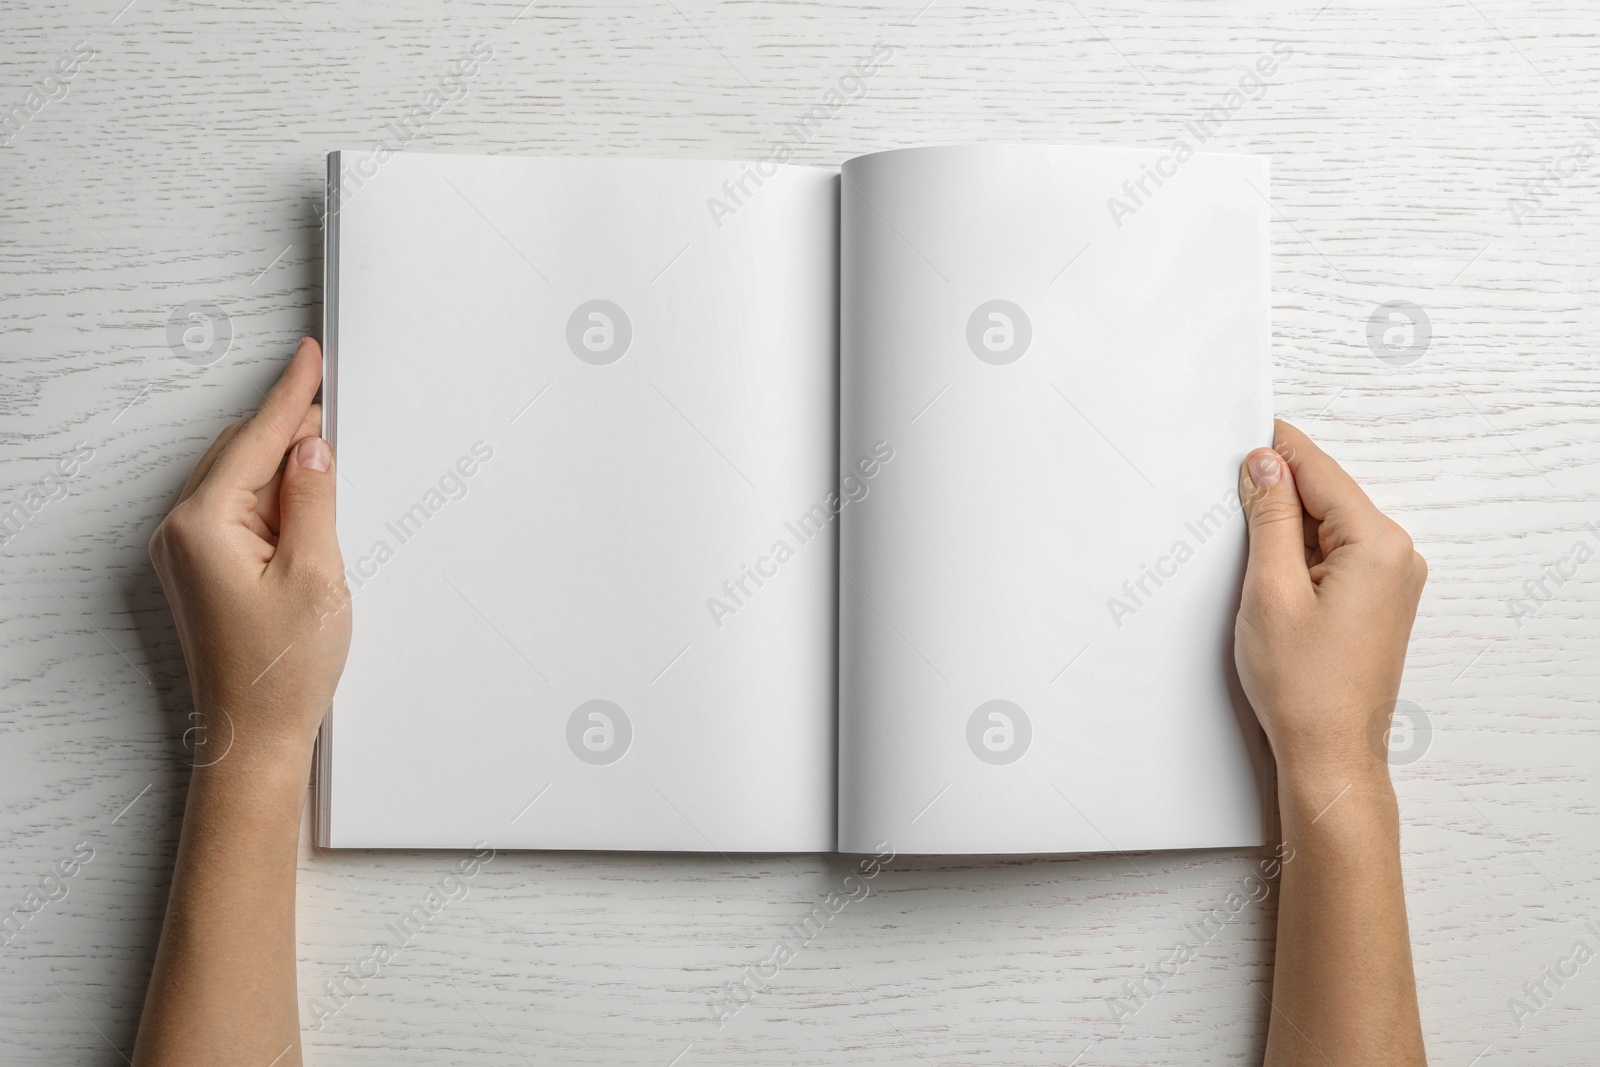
[(183, 164)]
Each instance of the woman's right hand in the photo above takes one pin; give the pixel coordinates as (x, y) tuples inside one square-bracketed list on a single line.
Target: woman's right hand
[(1330, 593)]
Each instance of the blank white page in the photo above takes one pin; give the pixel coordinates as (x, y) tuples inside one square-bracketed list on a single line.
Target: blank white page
[(1069, 385), (642, 397)]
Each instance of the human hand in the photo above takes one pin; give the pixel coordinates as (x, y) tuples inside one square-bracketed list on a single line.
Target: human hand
[(251, 567), (1330, 593)]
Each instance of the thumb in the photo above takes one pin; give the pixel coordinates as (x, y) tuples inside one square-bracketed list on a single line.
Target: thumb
[(305, 507), (1276, 522)]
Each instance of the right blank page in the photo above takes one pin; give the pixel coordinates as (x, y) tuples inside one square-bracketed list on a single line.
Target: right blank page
[(1066, 350)]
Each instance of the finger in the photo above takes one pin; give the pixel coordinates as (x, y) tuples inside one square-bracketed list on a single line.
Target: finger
[(203, 468), (1275, 519), (267, 495), (249, 460), (306, 508), (1329, 494), (1313, 540)]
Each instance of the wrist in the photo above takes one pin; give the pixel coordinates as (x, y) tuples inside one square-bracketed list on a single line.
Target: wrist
[(262, 730), (262, 799), (1313, 775), (1330, 796), (1309, 764), (278, 775), (235, 752)]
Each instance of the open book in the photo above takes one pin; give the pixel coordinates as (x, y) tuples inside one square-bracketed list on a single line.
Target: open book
[(740, 507)]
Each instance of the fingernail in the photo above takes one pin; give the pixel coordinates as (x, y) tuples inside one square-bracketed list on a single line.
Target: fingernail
[(312, 454), (1266, 470)]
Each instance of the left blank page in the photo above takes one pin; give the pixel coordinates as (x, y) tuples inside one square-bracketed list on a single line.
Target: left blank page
[(573, 408)]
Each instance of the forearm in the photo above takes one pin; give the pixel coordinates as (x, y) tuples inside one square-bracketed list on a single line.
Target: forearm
[(1343, 989), (223, 986)]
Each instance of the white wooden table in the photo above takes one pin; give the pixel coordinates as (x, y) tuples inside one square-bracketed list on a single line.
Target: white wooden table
[(182, 164)]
